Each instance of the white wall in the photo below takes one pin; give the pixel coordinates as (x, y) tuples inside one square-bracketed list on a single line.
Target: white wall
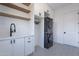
[(23, 27), (59, 18), (41, 7)]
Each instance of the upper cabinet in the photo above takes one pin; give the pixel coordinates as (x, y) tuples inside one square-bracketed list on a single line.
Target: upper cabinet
[(25, 8)]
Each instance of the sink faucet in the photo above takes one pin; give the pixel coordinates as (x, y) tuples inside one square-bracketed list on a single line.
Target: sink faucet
[(12, 28)]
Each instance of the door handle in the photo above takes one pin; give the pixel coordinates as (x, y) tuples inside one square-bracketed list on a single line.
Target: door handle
[(64, 32), (14, 41), (28, 41), (11, 41)]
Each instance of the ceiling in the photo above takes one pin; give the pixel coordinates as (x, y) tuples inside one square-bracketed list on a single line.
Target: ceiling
[(58, 5)]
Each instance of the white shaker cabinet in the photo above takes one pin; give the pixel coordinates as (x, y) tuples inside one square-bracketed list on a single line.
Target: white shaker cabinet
[(29, 45), (6, 48), (18, 47), (12, 47)]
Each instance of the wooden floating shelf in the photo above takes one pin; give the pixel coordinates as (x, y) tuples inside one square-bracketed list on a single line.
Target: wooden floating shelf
[(16, 7), (13, 16), (27, 4)]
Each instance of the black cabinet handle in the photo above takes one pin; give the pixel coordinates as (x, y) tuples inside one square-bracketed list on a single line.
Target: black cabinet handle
[(28, 41), (11, 41), (14, 41)]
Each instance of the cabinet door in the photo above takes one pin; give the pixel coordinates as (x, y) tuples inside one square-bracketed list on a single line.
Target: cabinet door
[(19, 47), (6, 48), (29, 45)]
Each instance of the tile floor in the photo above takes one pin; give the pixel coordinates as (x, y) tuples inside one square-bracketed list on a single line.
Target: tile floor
[(57, 50)]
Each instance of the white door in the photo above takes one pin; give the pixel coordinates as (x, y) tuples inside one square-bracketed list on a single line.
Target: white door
[(70, 28), (6, 48), (19, 47)]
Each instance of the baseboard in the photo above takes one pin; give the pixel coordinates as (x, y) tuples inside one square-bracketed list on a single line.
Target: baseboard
[(67, 44)]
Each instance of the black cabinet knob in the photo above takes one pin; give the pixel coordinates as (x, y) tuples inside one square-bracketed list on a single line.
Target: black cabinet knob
[(64, 32)]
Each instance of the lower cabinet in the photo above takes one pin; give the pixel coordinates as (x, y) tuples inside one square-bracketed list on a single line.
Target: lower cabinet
[(6, 48), (29, 45), (17, 47), (13, 47)]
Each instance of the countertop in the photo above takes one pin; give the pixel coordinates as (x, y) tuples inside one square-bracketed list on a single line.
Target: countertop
[(15, 37)]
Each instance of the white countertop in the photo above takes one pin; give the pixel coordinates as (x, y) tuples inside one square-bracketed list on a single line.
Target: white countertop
[(15, 37)]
